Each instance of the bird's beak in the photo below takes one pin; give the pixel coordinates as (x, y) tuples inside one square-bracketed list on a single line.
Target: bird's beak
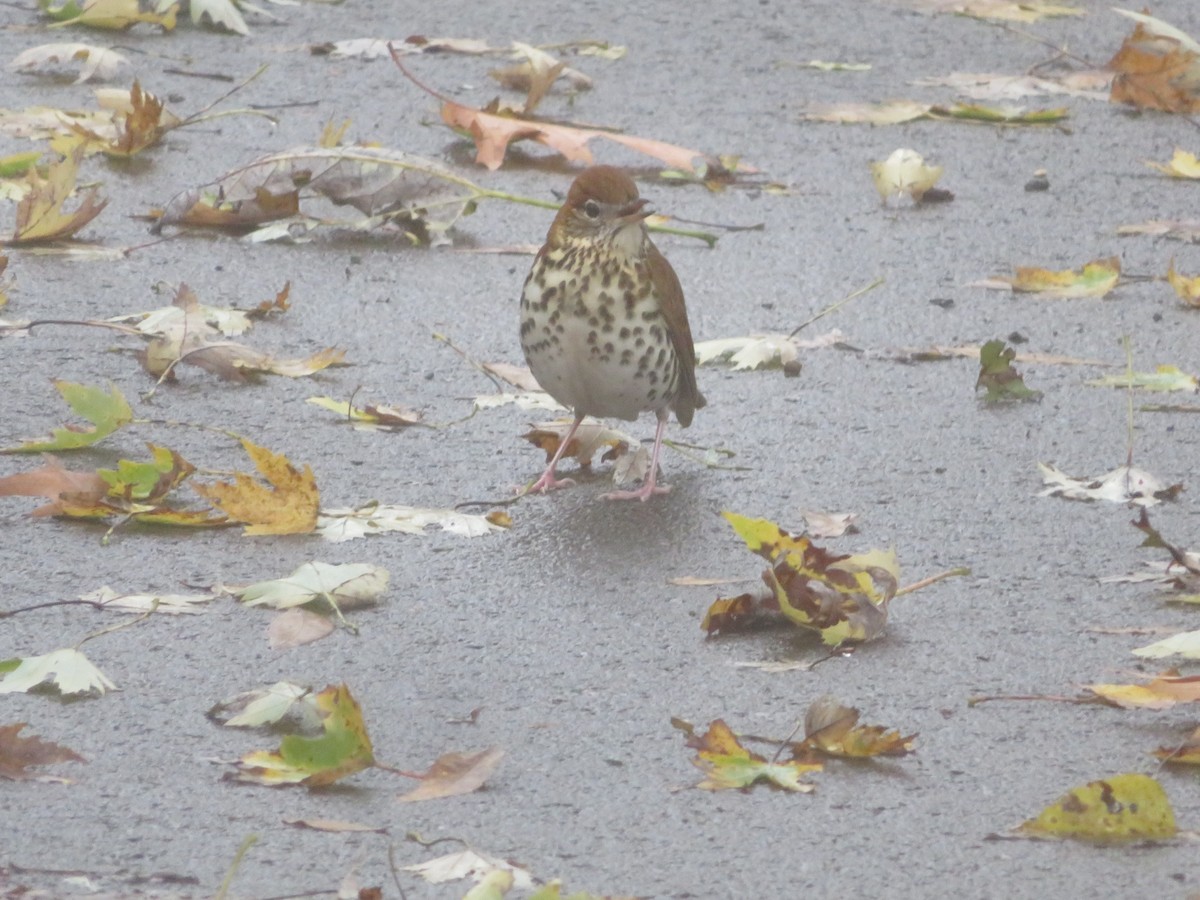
[(633, 212)]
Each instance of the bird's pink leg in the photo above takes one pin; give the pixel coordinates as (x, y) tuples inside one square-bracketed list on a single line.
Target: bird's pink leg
[(648, 488), (548, 482)]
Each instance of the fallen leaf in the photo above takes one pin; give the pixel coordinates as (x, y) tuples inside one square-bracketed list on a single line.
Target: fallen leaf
[(345, 524), (68, 671), (1126, 807), (295, 627), (1157, 67), (370, 417), (999, 10), (1176, 229), (18, 754), (1181, 165), (592, 437), (469, 864), (266, 706), (843, 597), (1186, 288), (455, 773), (113, 15), (1124, 484), (1163, 691), (98, 62), (1185, 644), (40, 214), (345, 586), (343, 750), (1163, 378), (287, 504), (51, 481), (1096, 279), (828, 525), (998, 377), (107, 411), (335, 826), (727, 765), (1186, 754), (904, 173), (1092, 84), (831, 729), (171, 604)]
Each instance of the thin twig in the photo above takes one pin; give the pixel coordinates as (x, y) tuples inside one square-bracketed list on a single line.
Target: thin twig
[(827, 310)]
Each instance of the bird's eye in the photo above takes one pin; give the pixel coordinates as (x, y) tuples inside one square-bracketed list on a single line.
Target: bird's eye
[(591, 209)]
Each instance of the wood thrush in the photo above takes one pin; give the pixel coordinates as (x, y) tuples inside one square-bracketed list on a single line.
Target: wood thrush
[(603, 323)]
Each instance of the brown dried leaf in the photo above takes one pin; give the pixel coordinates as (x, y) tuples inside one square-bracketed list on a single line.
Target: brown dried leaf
[(18, 753), (40, 215), (455, 773), (286, 505), (51, 481)]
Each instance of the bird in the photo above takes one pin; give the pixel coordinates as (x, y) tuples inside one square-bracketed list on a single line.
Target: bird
[(604, 328)]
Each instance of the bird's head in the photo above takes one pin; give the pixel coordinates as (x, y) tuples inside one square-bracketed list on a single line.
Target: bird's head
[(602, 205)]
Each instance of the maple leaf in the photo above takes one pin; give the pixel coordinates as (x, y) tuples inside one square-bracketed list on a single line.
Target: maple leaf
[(998, 377), (40, 214), (1157, 67), (67, 670), (107, 411), (1121, 808), (727, 765), (287, 504), (343, 750), (843, 597), (18, 754), (139, 125), (453, 774)]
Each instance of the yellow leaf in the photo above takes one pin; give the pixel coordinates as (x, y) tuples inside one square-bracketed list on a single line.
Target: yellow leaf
[(286, 505), (1096, 279), (1127, 807), (40, 215), (1182, 165), (1188, 288)]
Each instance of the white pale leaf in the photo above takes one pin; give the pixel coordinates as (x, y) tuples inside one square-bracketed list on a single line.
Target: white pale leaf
[(350, 584), (1185, 644), (468, 864), (345, 524), (294, 627), (99, 63), (529, 400), (172, 604), (1125, 484), (220, 12), (266, 706), (68, 670)]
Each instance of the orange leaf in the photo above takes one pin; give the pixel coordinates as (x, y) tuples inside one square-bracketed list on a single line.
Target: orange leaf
[(286, 505)]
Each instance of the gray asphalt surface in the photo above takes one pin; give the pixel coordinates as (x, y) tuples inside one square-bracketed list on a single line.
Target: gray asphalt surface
[(565, 630)]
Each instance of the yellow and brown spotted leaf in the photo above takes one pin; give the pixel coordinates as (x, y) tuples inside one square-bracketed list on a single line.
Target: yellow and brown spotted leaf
[(40, 214), (732, 613), (1154, 71), (286, 504), (1095, 279), (832, 729), (1122, 808), (1162, 692), (1187, 288), (843, 597), (455, 773), (18, 754), (727, 765)]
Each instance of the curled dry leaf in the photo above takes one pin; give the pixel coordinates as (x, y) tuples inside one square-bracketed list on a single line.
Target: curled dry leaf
[(831, 729), (904, 173), (1163, 691), (469, 864), (99, 63), (51, 481), (727, 765), (1095, 279), (370, 417), (337, 525), (1157, 67), (385, 186), (632, 461), (1186, 288)]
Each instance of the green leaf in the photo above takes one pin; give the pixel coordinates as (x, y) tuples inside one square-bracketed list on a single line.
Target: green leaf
[(998, 377), (107, 411)]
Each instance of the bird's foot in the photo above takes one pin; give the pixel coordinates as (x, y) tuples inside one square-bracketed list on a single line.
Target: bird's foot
[(644, 493), (548, 483)]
